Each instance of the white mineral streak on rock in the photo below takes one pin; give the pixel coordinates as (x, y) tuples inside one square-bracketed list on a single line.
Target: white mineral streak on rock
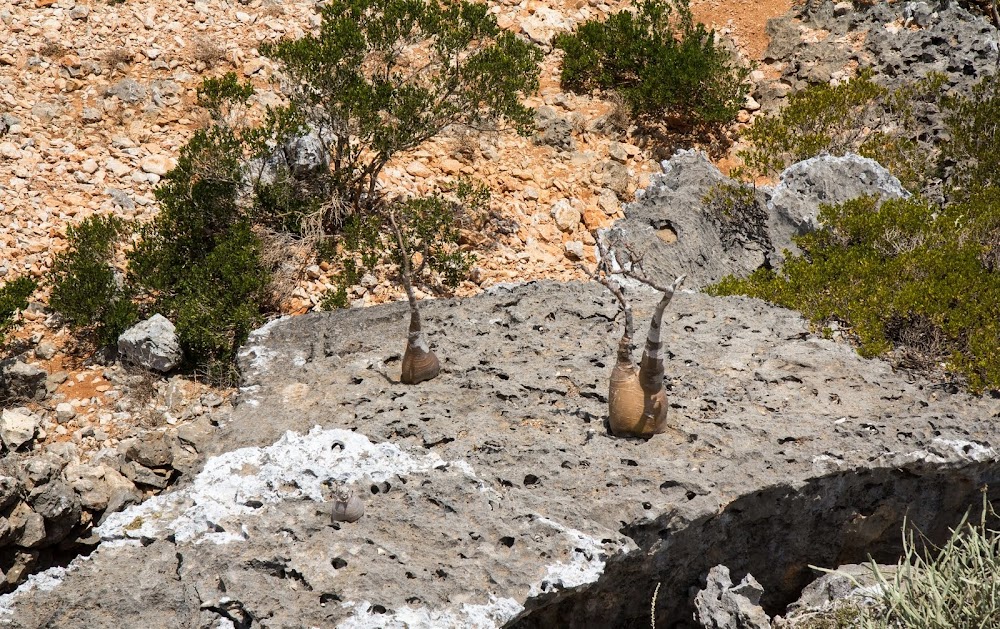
[(942, 451), (229, 486), (493, 614), (44, 581), (586, 563), (256, 357)]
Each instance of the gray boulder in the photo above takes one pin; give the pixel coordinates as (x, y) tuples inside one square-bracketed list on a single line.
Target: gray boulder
[(150, 449), (689, 221), (152, 344), (722, 605), (794, 203), (128, 91), (17, 428), (23, 381), (849, 583), (99, 485), (672, 229), (554, 130), (10, 490), (59, 506), (306, 156)]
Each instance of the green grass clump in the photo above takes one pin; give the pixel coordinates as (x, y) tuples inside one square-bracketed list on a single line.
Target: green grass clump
[(905, 273), (956, 586)]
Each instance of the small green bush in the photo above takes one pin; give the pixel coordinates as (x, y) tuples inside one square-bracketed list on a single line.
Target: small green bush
[(85, 288), (14, 298), (198, 262), (974, 126), (666, 67), (857, 116), (903, 274)]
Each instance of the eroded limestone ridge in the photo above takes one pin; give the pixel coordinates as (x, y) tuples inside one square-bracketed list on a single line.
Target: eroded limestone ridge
[(494, 494)]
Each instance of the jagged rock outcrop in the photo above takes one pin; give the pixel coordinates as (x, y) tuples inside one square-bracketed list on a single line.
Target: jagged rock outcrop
[(493, 494), (722, 605), (899, 41), (794, 202), (677, 228)]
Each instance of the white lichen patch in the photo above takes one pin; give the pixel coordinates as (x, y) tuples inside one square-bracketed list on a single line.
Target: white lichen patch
[(236, 483), (586, 563), (254, 348), (496, 613), (43, 582)]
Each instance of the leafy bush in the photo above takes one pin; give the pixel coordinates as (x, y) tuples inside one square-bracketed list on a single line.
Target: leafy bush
[(905, 273), (85, 288), (855, 116), (14, 298), (974, 126), (383, 76), (660, 61), (198, 262), (429, 228)]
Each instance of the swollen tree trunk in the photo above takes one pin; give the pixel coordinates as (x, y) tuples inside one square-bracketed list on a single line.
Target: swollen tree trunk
[(419, 362), (637, 400)]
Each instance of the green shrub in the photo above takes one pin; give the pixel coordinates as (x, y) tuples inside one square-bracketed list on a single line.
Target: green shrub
[(664, 65), (198, 262), (14, 298), (387, 75), (904, 274), (85, 289), (855, 116), (974, 125)]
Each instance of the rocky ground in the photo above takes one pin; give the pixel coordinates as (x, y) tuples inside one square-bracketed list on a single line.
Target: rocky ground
[(95, 101)]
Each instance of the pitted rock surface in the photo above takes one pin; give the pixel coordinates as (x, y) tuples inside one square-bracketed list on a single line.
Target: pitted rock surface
[(901, 42), (494, 494)]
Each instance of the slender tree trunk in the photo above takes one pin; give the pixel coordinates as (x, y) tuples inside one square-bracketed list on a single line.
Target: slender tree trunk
[(419, 362)]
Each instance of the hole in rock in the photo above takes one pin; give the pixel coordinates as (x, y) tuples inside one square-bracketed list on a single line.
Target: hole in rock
[(338, 563), (775, 534), (507, 541), (329, 597), (665, 230), (531, 479)]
